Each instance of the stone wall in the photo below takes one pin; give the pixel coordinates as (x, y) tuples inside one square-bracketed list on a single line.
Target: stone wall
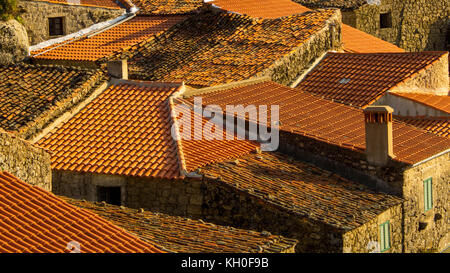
[(417, 25), (427, 231), (432, 80), (366, 238), (75, 17), (25, 160), (289, 68), (13, 42)]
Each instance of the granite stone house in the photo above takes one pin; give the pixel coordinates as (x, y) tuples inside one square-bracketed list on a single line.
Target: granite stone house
[(363, 163), (414, 25)]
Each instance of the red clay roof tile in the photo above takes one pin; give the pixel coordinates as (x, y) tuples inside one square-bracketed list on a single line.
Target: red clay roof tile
[(437, 125), (307, 114), (134, 138), (359, 79), (112, 4), (33, 220), (115, 39), (168, 6)]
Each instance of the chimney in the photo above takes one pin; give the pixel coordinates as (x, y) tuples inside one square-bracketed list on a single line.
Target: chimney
[(379, 147), (118, 69)]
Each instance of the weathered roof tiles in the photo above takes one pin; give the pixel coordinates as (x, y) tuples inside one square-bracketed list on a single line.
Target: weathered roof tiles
[(302, 189), (179, 234), (126, 130)]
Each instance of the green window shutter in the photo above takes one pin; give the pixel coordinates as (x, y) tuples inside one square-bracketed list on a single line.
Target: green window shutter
[(385, 236), (428, 193)]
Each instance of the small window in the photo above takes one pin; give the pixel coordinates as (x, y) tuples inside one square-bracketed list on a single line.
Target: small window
[(55, 26), (385, 20), (385, 236), (111, 195), (428, 194)]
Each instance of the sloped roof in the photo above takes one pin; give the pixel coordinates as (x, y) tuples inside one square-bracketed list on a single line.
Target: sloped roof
[(357, 41), (354, 40), (35, 221), (437, 125), (261, 8), (302, 189), (160, 7), (303, 113), (209, 49), (441, 103), (29, 93), (126, 130), (185, 235), (104, 44), (358, 79)]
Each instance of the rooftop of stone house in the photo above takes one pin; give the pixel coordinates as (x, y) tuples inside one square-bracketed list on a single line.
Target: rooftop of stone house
[(31, 94), (437, 125), (126, 130), (441, 103), (34, 220), (178, 234), (309, 115), (166, 7), (213, 48), (92, 46), (302, 189), (341, 4), (353, 39), (359, 79), (111, 4)]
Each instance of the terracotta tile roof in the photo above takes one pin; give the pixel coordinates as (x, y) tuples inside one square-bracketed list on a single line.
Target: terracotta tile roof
[(306, 114), (441, 103), (437, 125), (356, 41), (359, 79), (261, 8), (209, 49), (185, 235), (104, 44), (167, 6), (303, 189), (36, 221), (353, 39), (126, 130), (112, 4), (29, 93)]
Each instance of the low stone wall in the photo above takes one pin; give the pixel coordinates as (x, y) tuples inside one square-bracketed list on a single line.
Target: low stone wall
[(366, 238), (288, 69), (25, 160), (76, 17), (427, 231), (419, 25)]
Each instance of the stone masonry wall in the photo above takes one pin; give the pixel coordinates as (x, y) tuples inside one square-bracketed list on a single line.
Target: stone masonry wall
[(427, 231), (288, 69), (25, 160), (366, 238), (417, 25), (75, 17)]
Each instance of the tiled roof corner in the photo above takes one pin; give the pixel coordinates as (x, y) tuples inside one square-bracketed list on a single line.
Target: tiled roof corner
[(35, 221)]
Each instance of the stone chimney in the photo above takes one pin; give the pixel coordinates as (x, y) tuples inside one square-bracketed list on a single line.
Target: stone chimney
[(118, 69), (379, 143)]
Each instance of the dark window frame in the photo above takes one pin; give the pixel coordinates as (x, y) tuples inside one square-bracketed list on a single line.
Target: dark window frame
[(56, 26), (385, 20), (111, 195)]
